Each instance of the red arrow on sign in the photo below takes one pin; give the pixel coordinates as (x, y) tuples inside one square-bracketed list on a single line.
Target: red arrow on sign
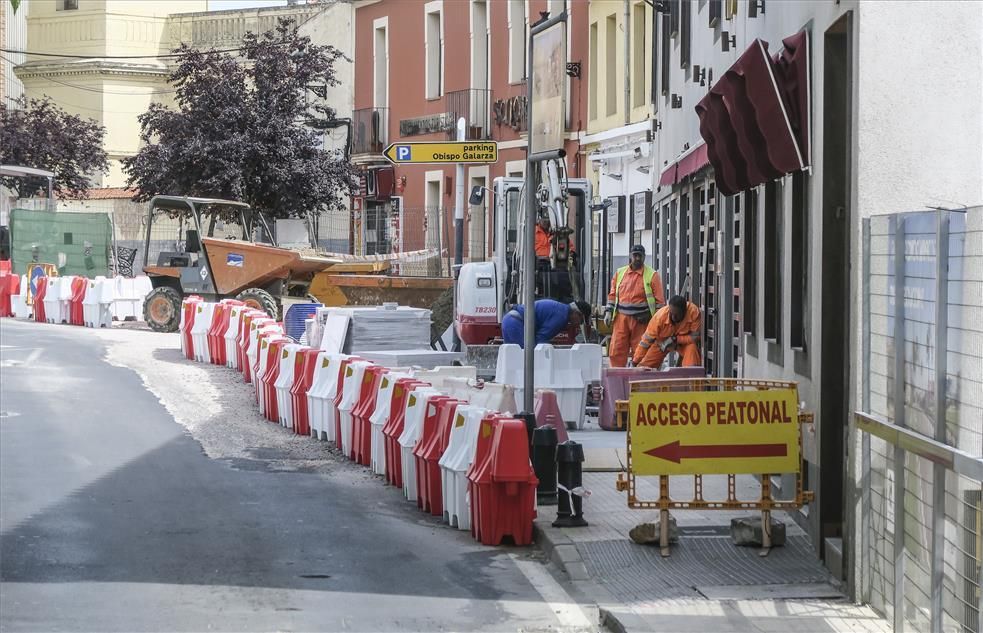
[(674, 452)]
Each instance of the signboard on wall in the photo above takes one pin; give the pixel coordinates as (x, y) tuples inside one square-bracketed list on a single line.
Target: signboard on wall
[(641, 202), (427, 124), (616, 214), (549, 63)]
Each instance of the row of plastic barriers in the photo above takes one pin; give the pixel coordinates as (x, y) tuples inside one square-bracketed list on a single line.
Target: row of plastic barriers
[(439, 435), (74, 300)]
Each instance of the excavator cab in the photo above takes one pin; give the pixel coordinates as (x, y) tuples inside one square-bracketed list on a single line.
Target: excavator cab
[(567, 274)]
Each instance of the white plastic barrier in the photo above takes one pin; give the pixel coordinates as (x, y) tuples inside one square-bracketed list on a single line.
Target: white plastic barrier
[(129, 297), (264, 361), (379, 419), (454, 464), (321, 395), (416, 408), (64, 314), (438, 376), (231, 348), (352, 386), (199, 331), (90, 304), (565, 371), (256, 327), (490, 395), (284, 381), (51, 299), (18, 302)]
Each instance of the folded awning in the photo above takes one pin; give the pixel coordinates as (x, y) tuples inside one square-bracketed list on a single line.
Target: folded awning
[(792, 69), (744, 119), (691, 162), (668, 176)]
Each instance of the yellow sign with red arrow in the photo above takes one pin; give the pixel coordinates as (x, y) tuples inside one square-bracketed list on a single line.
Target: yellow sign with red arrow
[(714, 432)]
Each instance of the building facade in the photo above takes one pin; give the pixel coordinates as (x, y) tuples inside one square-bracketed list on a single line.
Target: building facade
[(13, 36), (420, 67), (778, 128), (95, 81), (618, 139)]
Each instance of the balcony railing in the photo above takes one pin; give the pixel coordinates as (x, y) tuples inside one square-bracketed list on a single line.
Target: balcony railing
[(371, 130), (475, 106)]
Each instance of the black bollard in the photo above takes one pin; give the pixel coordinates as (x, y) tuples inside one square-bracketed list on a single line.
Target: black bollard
[(530, 420), (544, 463), (570, 507)]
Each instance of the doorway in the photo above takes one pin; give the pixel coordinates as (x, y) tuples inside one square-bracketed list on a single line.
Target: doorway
[(828, 477)]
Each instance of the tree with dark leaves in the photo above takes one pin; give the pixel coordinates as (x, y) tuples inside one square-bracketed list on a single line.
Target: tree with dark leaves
[(37, 133), (243, 129)]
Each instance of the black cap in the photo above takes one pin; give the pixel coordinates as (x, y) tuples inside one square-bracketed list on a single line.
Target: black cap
[(638, 248)]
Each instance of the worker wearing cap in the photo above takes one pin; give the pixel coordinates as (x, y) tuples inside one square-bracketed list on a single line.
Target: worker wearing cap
[(636, 294), (552, 317), (676, 327)]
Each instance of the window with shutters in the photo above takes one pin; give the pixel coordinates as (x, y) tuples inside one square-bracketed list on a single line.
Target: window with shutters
[(749, 265), (638, 47), (654, 77), (666, 49), (773, 262), (715, 11), (800, 261), (611, 64), (517, 40), (434, 35), (592, 73), (685, 9)]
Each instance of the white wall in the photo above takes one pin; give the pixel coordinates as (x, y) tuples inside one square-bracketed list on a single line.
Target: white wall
[(919, 92)]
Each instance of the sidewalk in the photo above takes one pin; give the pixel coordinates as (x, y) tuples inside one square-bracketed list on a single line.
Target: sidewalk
[(707, 584)]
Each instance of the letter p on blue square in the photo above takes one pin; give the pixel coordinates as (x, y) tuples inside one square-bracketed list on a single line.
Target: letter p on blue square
[(403, 152)]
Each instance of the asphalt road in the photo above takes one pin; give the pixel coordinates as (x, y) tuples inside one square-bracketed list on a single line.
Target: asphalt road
[(113, 518)]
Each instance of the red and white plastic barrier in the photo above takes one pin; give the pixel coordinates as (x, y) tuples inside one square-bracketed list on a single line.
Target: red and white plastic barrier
[(440, 435)]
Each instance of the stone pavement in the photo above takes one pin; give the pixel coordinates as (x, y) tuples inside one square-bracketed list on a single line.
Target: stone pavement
[(707, 584)]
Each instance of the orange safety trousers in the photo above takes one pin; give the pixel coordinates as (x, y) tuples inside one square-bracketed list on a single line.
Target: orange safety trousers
[(689, 352), (626, 332)]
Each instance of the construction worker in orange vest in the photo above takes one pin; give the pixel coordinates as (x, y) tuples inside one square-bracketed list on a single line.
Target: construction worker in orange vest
[(636, 294), (544, 236), (675, 327)]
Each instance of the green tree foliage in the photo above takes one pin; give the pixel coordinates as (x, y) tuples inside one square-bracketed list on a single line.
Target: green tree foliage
[(242, 128), (37, 133)]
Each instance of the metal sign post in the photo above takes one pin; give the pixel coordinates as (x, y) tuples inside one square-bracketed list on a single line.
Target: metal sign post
[(542, 79), (458, 227)]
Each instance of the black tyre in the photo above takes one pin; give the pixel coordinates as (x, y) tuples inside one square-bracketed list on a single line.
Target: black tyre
[(162, 309), (260, 299)]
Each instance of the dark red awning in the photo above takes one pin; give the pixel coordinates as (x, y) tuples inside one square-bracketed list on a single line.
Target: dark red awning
[(746, 125), (695, 160), (668, 176), (792, 69)]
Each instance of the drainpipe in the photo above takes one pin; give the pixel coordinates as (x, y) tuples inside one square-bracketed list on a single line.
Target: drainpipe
[(627, 38)]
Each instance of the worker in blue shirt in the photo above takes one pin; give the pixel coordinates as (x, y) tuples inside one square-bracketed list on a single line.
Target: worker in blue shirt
[(552, 317)]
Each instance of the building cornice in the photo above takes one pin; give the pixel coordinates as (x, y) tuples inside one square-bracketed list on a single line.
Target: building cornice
[(90, 67)]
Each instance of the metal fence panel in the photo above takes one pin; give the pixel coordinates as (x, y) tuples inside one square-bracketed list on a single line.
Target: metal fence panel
[(923, 371)]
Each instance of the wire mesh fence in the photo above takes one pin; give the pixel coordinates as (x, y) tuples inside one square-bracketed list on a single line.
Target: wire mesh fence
[(922, 540), (416, 241), (76, 243)]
